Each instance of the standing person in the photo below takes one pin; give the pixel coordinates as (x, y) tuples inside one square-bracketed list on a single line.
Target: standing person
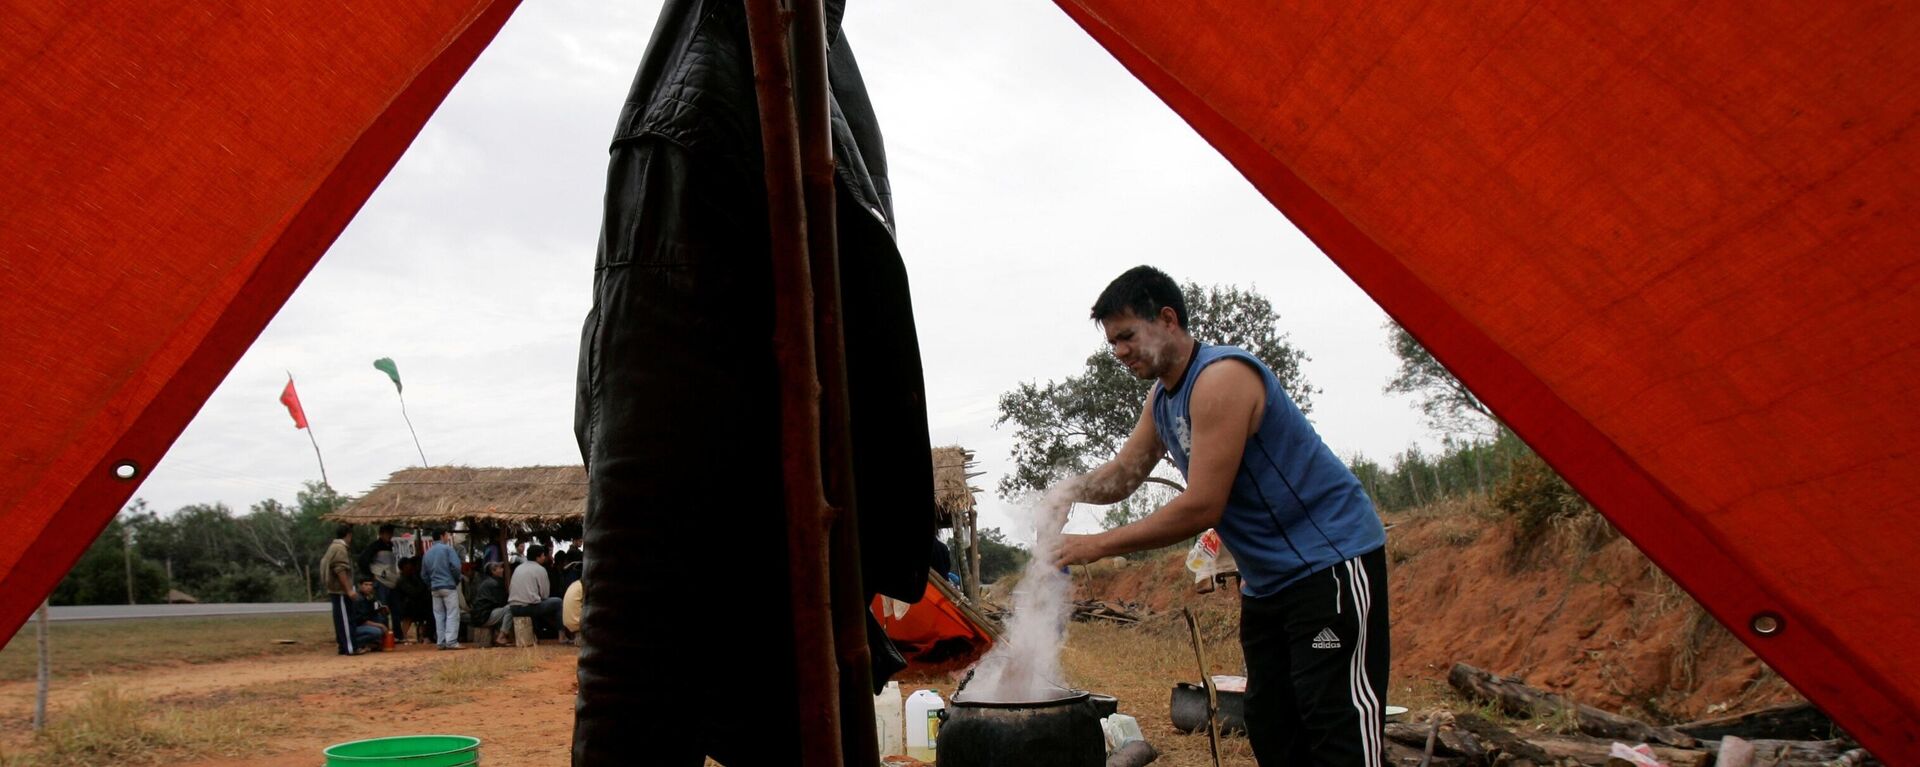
[(441, 568), (377, 561), (1311, 549), (336, 568), (530, 595), (412, 603)]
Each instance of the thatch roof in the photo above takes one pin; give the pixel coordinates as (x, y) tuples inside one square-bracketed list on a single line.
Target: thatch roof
[(950, 474), (534, 495)]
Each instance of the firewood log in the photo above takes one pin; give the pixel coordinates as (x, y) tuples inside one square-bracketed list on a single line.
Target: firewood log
[(1518, 699)]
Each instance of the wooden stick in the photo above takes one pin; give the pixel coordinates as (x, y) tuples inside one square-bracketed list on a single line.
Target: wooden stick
[(769, 26)]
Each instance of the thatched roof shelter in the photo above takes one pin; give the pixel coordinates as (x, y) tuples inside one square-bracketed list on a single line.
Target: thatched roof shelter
[(951, 493), (533, 496)]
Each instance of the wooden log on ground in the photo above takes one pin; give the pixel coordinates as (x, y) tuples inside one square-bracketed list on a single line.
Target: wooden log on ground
[(1596, 751), (1518, 699), (1451, 742), (1791, 721), (1765, 751), (1501, 745)]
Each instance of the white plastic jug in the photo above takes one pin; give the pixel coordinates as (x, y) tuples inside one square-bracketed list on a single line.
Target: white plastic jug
[(923, 724), (1120, 730), (886, 720)]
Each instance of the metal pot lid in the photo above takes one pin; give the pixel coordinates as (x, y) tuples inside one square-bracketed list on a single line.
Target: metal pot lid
[(1066, 698)]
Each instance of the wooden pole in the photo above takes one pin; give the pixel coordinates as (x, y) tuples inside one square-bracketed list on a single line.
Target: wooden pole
[(126, 555), (810, 580), (46, 671)]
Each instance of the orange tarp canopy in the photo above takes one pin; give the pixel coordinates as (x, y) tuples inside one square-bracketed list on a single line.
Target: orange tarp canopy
[(173, 170), (1674, 245)]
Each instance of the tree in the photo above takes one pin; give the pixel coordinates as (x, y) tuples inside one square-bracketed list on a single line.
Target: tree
[(1449, 407), (998, 556), (1064, 428), (100, 577)]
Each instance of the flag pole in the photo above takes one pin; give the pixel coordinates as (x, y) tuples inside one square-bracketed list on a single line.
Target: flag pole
[(316, 457), (387, 365), (308, 428), (416, 435)]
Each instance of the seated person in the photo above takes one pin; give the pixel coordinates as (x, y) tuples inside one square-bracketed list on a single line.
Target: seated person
[(412, 603), (572, 605), (367, 617), (531, 593), (490, 598)]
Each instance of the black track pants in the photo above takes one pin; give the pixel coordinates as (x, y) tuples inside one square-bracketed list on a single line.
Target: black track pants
[(1317, 667)]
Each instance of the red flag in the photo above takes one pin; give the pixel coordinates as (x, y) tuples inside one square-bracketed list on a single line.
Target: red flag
[(291, 399)]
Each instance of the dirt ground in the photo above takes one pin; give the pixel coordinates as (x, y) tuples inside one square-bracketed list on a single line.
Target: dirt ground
[(305, 701), (1584, 614)]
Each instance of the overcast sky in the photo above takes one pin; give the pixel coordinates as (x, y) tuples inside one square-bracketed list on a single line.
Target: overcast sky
[(1028, 169)]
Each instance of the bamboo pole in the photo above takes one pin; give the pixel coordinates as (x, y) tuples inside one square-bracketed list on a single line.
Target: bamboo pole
[(769, 27)]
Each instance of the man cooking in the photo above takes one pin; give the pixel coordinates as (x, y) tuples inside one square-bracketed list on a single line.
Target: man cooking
[(1311, 550)]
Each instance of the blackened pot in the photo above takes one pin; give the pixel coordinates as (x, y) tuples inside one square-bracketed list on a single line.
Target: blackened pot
[(1063, 732)]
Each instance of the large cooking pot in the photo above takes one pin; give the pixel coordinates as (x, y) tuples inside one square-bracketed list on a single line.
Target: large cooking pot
[(1060, 732)]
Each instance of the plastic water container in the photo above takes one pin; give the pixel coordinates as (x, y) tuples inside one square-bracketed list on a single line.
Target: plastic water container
[(887, 710), (1120, 730), (923, 724)]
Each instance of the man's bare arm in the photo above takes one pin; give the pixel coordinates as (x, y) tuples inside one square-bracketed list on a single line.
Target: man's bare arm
[(1116, 479), (1225, 399)]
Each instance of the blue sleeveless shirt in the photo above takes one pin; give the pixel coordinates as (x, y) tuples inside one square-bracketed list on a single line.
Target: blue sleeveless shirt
[(1294, 509)]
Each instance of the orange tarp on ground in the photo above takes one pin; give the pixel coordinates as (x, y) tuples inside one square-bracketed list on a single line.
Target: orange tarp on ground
[(934, 633), (1675, 245)]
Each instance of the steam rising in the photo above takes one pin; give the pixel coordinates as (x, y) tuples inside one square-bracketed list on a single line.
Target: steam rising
[(1025, 665)]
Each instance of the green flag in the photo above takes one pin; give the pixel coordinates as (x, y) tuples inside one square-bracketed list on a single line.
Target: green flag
[(385, 365)]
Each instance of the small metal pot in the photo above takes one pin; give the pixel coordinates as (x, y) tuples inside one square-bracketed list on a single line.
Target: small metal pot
[(1061, 732)]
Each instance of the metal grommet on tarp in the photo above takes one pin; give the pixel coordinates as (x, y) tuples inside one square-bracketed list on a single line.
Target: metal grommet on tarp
[(1767, 624), (125, 470)]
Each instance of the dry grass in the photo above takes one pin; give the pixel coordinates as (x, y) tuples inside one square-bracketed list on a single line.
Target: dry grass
[(111, 728), (99, 646), (468, 670)]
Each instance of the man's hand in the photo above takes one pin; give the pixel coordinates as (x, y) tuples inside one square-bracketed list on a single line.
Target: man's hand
[(1080, 549)]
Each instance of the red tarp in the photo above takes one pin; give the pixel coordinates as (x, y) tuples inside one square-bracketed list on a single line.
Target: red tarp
[(1674, 245), (172, 171)]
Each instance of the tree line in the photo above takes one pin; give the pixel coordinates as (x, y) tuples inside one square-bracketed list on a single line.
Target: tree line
[(207, 551)]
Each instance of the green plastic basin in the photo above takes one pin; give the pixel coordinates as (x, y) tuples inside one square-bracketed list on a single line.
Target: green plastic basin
[(406, 751)]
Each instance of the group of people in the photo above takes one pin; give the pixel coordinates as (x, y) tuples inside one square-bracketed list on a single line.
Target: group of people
[(392, 594)]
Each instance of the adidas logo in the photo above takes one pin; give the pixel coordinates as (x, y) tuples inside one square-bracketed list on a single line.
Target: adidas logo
[(1326, 640)]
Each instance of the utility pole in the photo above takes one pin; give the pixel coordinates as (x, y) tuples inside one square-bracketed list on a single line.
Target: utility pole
[(126, 548), (46, 672)]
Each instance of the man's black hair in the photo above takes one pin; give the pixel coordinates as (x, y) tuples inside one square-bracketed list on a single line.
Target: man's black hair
[(1145, 291), (342, 531), (536, 551), (387, 529)]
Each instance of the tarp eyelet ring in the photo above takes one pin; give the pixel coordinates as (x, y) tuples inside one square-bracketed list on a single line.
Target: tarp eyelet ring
[(125, 470), (1767, 624)]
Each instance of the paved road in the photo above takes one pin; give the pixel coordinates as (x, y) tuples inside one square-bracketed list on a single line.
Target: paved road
[(135, 612)]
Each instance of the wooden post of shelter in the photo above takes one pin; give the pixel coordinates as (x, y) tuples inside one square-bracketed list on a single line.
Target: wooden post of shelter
[(790, 82)]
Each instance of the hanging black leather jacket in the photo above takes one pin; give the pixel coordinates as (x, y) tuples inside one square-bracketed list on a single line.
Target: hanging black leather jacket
[(678, 416)]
